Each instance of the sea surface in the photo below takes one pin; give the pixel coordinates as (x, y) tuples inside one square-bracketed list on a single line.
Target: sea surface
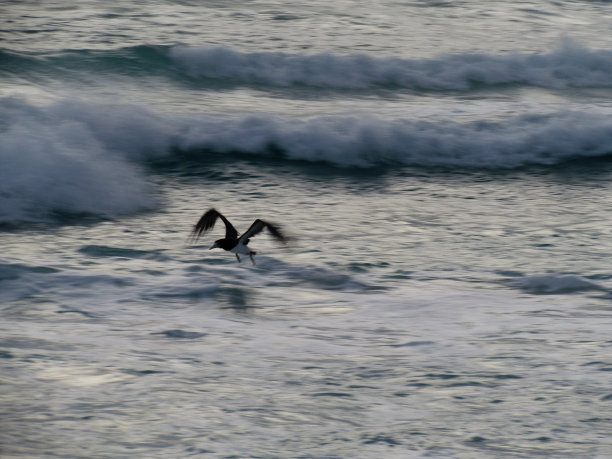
[(443, 169)]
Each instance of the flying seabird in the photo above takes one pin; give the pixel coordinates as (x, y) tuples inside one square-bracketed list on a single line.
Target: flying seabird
[(231, 242)]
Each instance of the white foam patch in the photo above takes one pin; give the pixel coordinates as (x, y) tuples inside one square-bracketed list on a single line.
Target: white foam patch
[(78, 375)]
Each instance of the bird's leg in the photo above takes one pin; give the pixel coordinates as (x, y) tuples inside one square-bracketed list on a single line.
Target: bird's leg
[(251, 257), (238, 258)]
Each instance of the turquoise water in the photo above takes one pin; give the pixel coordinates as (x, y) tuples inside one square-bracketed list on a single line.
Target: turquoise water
[(442, 167)]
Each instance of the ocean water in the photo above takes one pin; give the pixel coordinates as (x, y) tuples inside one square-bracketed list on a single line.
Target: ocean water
[(443, 167)]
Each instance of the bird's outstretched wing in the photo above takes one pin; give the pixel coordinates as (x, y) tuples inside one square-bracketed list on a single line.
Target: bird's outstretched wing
[(258, 226), (207, 221)]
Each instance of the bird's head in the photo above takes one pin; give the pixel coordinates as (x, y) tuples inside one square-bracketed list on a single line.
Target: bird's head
[(216, 244)]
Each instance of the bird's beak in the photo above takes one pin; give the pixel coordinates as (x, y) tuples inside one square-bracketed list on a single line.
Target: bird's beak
[(213, 246)]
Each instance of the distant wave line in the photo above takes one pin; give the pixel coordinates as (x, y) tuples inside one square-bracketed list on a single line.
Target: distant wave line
[(569, 65)]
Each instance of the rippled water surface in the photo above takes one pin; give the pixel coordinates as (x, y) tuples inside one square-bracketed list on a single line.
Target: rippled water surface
[(443, 170), (418, 333)]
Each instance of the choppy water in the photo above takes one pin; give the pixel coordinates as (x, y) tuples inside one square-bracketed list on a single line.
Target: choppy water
[(444, 168)]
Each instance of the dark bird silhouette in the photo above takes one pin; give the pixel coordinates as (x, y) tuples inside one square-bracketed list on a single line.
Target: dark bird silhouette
[(232, 242)]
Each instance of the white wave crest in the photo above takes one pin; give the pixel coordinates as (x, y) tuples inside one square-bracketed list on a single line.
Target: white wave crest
[(367, 141), (569, 65)]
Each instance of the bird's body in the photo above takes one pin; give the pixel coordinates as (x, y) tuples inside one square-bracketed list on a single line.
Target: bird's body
[(232, 242)]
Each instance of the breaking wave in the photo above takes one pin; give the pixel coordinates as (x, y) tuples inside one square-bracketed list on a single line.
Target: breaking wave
[(81, 157), (70, 159)]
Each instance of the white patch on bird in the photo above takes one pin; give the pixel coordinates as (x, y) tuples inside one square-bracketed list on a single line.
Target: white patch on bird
[(241, 249)]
